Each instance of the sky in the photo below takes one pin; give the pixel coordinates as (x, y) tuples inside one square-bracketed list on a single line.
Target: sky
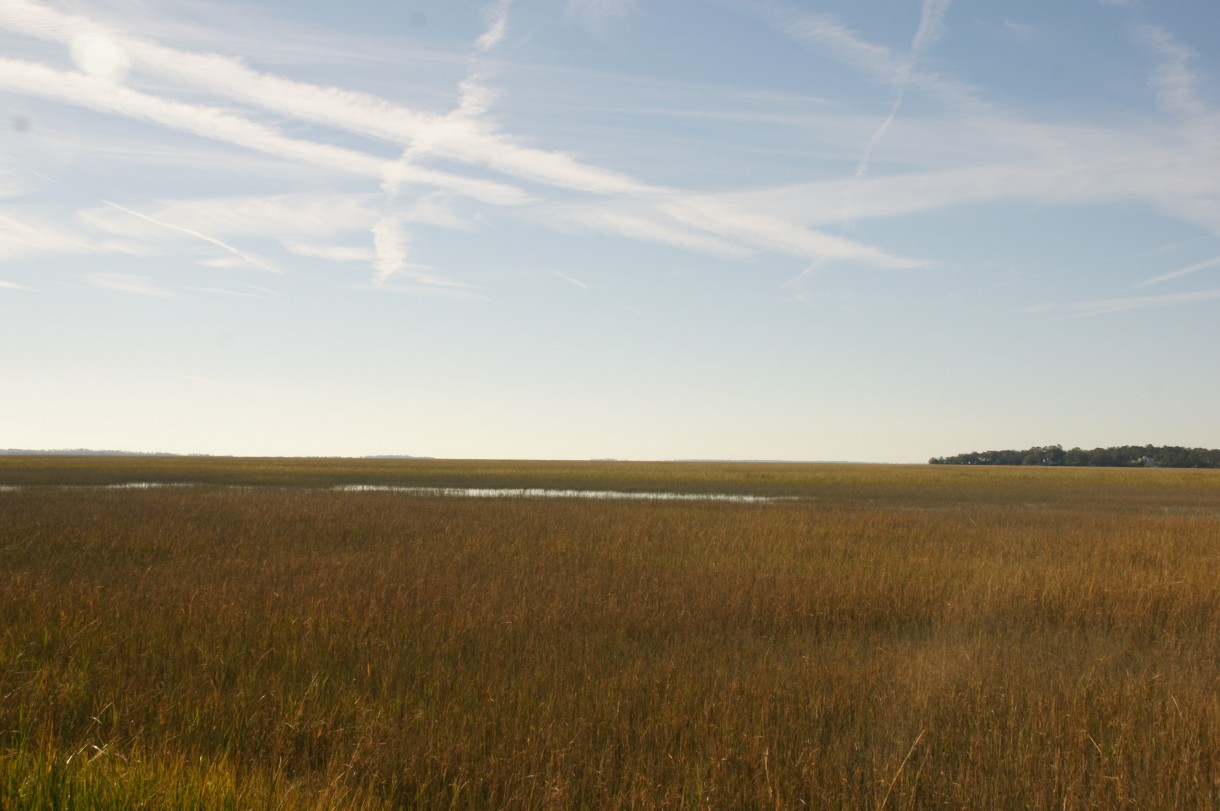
[(870, 231)]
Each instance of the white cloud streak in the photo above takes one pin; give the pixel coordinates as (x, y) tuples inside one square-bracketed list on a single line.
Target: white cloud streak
[(1045, 164), (1180, 272), (1172, 77), (594, 14), (390, 240), (931, 25), (24, 237), (200, 381), (126, 283), (460, 138), (1114, 305), (496, 17), (220, 291), (76, 88), (725, 215), (221, 125), (1090, 168), (829, 34), (878, 63), (302, 223), (240, 254), (1177, 89), (10, 184), (1173, 169), (332, 253), (464, 135), (570, 280), (648, 227), (303, 217)]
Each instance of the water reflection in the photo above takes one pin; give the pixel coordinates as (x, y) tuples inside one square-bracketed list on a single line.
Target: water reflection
[(545, 492), (13, 488), (454, 492), (145, 485)]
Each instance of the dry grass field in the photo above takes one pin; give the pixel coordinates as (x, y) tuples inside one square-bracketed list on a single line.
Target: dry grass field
[(893, 637)]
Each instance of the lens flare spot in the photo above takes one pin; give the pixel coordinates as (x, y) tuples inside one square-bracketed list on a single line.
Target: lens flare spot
[(100, 56)]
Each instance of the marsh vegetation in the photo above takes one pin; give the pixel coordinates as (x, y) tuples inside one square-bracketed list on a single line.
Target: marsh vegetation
[(901, 637)]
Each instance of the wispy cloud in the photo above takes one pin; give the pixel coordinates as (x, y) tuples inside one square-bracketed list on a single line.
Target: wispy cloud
[(876, 63), (418, 285), (595, 14), (570, 280), (1180, 272), (221, 291), (466, 135), (223, 262), (460, 138), (1114, 305), (300, 217), (1173, 169), (1176, 85), (240, 254), (333, 253), (14, 286), (726, 225), (931, 25), (302, 223), (11, 183), (727, 216), (200, 381), (391, 236), (212, 122), (126, 283), (390, 240), (24, 235), (1019, 29), (495, 16), (643, 225), (1001, 156), (828, 33)]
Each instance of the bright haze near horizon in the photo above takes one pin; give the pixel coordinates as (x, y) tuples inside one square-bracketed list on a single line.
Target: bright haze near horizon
[(870, 231)]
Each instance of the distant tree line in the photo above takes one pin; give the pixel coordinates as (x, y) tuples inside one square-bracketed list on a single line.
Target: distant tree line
[(1122, 456)]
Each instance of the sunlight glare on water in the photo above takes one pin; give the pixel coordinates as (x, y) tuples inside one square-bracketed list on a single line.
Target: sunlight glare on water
[(455, 492), (542, 492)]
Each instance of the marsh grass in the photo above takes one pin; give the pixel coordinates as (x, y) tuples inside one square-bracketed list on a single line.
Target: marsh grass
[(923, 485), (899, 637)]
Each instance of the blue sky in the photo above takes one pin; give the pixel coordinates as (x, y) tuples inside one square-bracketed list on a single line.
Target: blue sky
[(867, 231)]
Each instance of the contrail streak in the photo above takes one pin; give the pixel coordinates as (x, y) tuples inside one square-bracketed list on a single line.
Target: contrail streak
[(191, 232), (931, 25)]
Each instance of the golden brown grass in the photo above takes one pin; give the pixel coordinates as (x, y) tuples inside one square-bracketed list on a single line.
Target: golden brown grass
[(899, 637)]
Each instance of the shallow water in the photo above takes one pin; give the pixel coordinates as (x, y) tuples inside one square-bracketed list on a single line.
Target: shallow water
[(544, 492), (12, 488), (453, 492), (143, 485)]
